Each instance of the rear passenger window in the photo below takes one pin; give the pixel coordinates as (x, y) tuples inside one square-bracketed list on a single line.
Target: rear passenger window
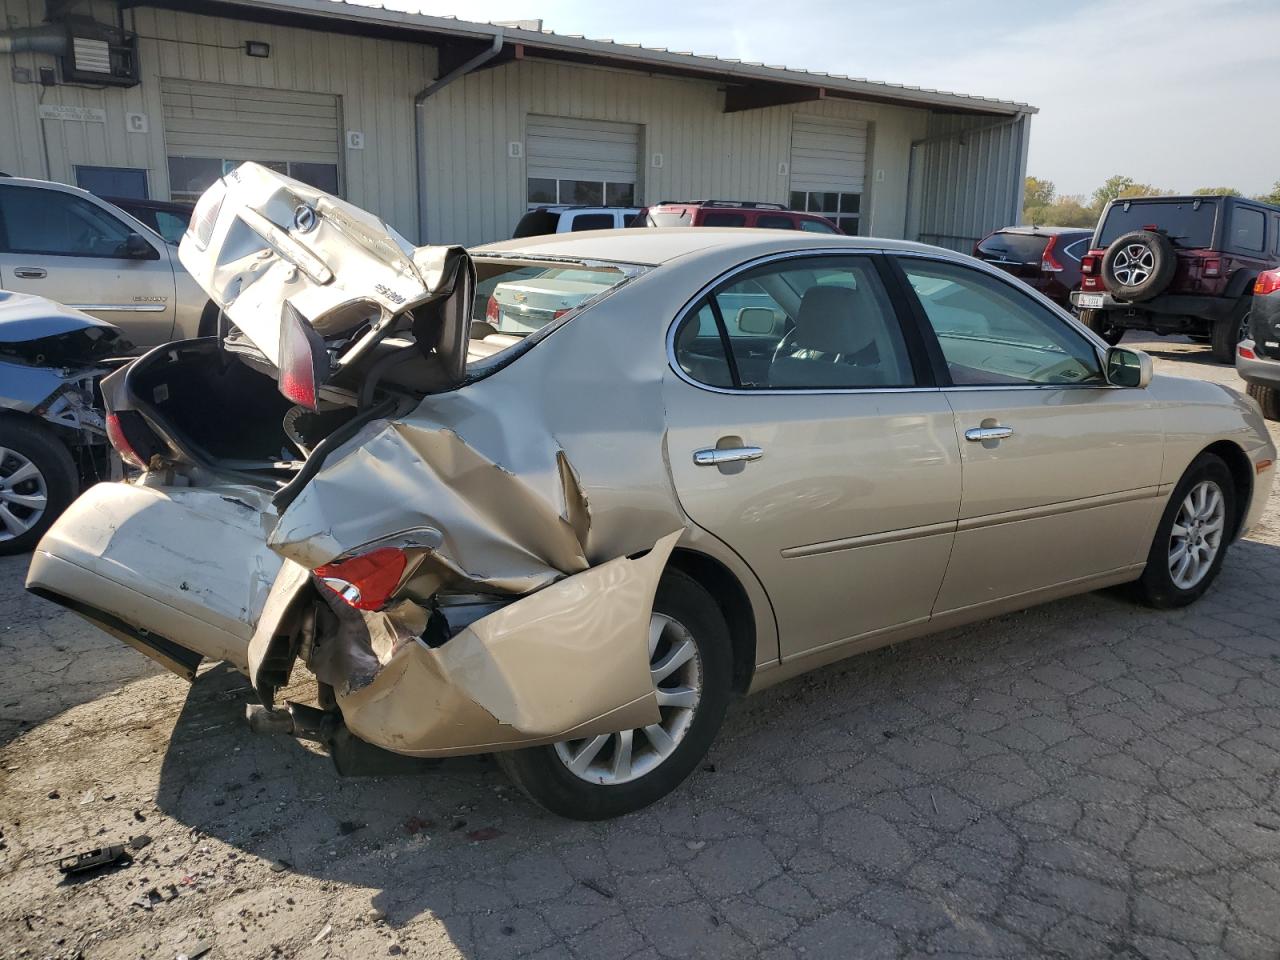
[(724, 220), (992, 334), (816, 226), (1248, 229), (812, 323), (592, 221), (773, 222)]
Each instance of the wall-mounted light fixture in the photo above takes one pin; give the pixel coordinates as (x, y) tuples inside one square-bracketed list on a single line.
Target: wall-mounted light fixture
[(257, 48)]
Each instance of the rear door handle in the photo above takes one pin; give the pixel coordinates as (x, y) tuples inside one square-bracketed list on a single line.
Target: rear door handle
[(716, 456), (30, 273), (979, 434)]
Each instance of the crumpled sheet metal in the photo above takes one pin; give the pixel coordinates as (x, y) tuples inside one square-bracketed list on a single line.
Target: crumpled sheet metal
[(276, 240), (568, 661), (480, 523)]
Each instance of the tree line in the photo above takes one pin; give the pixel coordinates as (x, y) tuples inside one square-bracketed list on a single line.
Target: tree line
[(1042, 206)]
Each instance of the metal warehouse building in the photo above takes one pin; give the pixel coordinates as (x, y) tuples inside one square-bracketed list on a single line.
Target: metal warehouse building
[(451, 130)]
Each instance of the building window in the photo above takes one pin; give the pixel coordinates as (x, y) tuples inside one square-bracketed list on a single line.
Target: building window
[(191, 176), (591, 193), (842, 209)]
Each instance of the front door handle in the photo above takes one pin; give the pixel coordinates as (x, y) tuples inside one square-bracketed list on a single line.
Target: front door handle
[(716, 456), (981, 434), (30, 273)]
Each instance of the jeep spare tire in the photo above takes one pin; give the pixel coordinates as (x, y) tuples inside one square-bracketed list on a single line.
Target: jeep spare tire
[(1138, 265)]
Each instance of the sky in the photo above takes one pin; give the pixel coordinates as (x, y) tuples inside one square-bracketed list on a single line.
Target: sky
[(1177, 93)]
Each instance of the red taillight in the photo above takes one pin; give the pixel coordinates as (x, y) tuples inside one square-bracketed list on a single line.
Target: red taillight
[(1212, 268), (1048, 262), (365, 582), (301, 354), (1246, 353), (117, 439), (491, 312), (1268, 282), (1089, 265)]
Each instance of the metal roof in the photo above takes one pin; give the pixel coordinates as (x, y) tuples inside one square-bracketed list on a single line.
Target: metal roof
[(396, 24)]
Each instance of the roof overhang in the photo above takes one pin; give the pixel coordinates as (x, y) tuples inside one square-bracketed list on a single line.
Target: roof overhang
[(747, 85)]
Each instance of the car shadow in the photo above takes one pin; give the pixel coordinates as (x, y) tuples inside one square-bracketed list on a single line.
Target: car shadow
[(852, 771), (53, 659)]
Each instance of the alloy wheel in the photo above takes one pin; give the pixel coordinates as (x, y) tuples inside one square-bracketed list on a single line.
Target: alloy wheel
[(1197, 532), (614, 758), (1134, 264), (23, 494)]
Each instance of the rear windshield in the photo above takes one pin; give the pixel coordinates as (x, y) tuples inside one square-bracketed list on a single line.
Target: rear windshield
[(1188, 223), (1014, 247), (518, 300), (536, 223), (657, 218)]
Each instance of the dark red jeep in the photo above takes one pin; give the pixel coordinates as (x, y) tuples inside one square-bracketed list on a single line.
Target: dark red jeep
[(1178, 265)]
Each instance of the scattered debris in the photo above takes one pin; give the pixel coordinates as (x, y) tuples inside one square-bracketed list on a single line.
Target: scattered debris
[(457, 825), (54, 795), (96, 859), (280, 866), (140, 841), (935, 803), (508, 930), (708, 768), (603, 891), (139, 816), (324, 932), (88, 797), (417, 825), (346, 827), (153, 896), (484, 833), (695, 844), (199, 950)]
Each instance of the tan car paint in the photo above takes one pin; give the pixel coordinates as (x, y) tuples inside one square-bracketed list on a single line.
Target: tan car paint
[(550, 472)]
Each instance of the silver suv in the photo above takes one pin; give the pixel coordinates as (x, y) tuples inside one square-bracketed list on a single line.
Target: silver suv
[(65, 244)]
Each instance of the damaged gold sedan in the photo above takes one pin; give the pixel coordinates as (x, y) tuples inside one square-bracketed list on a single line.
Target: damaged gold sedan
[(559, 499)]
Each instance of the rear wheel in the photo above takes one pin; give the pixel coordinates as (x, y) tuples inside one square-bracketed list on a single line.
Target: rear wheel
[(38, 480), (1191, 541), (1230, 330), (609, 775), (1268, 399), (1099, 321)]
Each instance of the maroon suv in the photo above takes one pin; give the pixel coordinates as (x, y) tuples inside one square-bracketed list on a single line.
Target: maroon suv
[(731, 213), (1046, 258), (1178, 265)]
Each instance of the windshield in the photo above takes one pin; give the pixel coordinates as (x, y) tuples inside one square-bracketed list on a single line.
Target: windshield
[(1188, 223), (1013, 247)]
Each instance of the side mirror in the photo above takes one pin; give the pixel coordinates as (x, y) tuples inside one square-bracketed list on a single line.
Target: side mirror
[(1129, 368), (135, 247)]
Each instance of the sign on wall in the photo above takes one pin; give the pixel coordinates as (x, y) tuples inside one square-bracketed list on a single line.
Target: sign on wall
[(57, 111)]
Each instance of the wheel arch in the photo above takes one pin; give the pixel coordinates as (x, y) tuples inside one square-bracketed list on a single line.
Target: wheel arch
[(208, 320), (1241, 283), (731, 597), (1241, 468)]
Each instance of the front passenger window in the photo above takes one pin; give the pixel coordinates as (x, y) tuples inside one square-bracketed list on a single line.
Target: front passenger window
[(992, 334), (58, 224)]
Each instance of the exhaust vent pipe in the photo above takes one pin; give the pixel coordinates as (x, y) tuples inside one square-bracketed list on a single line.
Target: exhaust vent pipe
[(50, 39)]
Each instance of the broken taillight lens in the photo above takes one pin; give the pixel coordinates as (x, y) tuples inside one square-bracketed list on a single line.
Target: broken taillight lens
[(303, 359), (367, 581), (116, 437), (491, 312)]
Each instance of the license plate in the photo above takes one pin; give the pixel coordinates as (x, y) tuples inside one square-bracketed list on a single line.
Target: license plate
[(1089, 301)]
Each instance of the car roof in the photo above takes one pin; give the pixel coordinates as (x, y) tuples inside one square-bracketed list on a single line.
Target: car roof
[(1046, 230), (652, 246), (46, 185)]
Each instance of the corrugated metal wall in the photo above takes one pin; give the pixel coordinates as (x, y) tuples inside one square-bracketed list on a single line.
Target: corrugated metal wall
[(476, 191), (375, 80), (969, 177)]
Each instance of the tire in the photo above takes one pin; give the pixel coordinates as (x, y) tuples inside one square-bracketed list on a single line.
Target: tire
[(1158, 587), (543, 774), (1138, 265), (1199, 338), (1268, 399), (26, 446), (1100, 323), (1230, 330)]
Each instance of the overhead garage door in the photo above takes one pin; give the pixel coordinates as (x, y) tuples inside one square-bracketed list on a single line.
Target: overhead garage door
[(569, 160), (828, 168), (211, 127)]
